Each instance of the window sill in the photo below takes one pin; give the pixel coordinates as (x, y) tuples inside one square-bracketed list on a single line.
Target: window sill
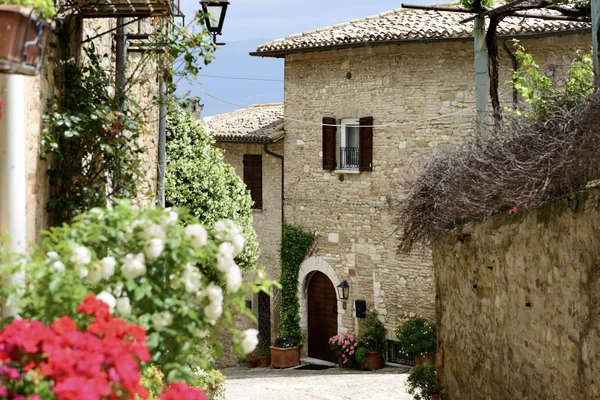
[(346, 171)]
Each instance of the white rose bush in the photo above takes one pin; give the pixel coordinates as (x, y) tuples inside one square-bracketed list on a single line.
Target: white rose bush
[(156, 268)]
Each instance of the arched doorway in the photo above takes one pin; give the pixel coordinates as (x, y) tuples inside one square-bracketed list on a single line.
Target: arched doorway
[(322, 316)]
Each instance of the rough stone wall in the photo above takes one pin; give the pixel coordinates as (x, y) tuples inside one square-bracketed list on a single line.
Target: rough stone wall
[(354, 218), (48, 84), (267, 224), (518, 304)]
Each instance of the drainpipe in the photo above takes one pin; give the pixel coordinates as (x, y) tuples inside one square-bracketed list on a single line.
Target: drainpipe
[(13, 218), (269, 152), (162, 139)]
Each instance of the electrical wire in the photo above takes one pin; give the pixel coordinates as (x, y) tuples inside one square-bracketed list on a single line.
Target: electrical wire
[(390, 125), (241, 79)]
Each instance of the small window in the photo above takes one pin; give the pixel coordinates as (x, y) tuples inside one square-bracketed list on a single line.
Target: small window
[(349, 144), (253, 178)]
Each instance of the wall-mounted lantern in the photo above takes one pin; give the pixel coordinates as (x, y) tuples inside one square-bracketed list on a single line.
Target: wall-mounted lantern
[(214, 16), (343, 290)]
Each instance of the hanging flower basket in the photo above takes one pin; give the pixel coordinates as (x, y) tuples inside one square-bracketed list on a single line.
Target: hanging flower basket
[(23, 40)]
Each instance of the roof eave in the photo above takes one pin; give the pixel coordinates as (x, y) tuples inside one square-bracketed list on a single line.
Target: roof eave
[(285, 52)]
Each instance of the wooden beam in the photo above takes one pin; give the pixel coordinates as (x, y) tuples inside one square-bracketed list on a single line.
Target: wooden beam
[(482, 81), (438, 8), (496, 10)]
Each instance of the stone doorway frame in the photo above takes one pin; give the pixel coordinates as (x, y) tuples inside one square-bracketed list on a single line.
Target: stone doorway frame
[(307, 269)]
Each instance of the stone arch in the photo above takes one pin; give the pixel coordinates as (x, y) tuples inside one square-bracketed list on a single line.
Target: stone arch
[(307, 269)]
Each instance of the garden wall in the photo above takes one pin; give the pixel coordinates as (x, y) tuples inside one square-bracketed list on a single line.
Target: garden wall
[(518, 304)]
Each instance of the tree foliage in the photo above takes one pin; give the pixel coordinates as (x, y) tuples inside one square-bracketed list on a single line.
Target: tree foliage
[(199, 180)]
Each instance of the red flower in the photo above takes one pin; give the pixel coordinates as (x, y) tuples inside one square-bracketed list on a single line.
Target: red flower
[(182, 391), (92, 306), (63, 325), (513, 209)]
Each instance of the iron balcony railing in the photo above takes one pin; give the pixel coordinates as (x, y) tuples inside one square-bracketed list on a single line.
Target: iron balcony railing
[(349, 157), (395, 354)]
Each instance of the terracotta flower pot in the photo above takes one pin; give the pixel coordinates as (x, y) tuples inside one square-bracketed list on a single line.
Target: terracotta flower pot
[(375, 361), (264, 361), (285, 358), (23, 40), (427, 360), (435, 397), (251, 363)]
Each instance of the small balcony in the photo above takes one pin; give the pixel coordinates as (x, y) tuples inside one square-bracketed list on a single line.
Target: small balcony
[(120, 8), (349, 157)]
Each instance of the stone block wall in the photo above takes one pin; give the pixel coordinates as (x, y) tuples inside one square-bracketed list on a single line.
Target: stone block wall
[(518, 304), (400, 86)]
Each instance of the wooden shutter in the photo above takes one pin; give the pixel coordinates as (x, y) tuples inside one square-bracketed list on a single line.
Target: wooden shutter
[(329, 142), (365, 148), (253, 178)]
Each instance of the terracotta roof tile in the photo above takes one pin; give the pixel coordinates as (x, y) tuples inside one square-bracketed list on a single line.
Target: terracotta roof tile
[(257, 123)]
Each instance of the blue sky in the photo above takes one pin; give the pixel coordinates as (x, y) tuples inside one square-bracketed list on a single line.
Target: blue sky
[(253, 22)]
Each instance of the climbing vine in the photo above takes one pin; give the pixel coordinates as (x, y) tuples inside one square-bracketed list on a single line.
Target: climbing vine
[(94, 140), (294, 245)]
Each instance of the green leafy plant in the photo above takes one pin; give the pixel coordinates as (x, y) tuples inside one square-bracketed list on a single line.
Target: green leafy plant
[(265, 352), (212, 382), (539, 90), (199, 180), (373, 336), (360, 355), (422, 382), (153, 379), (178, 282), (44, 8), (418, 337), (294, 245), (94, 141)]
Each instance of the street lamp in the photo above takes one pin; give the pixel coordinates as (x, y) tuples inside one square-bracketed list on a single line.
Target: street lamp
[(214, 16), (343, 290)]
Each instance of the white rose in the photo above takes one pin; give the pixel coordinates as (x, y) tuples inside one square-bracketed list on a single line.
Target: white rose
[(226, 230), (215, 294), (52, 255), (81, 255), (161, 320), (202, 333), (249, 340), (234, 278), (238, 244), (118, 290), (191, 278), (212, 312), (197, 234), (108, 267), (225, 257), (170, 219), (82, 272), (134, 266), (95, 274), (108, 299), (124, 306), (57, 266), (154, 248), (153, 231)]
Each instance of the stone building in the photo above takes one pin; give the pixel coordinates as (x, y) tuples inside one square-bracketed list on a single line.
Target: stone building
[(364, 102), (85, 26), (252, 142)]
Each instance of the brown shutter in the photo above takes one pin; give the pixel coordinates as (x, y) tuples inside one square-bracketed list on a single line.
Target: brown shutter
[(253, 178), (329, 140), (365, 148)]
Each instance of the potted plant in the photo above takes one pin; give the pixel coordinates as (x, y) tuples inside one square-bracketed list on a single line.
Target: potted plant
[(252, 359), (418, 338), (344, 345), (265, 357), (285, 352), (24, 34), (372, 340), (422, 383)]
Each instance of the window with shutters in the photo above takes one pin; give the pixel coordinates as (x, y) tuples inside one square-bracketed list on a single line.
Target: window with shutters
[(352, 148), (253, 178)]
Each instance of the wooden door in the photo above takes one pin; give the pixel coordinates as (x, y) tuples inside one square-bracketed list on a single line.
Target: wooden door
[(322, 317)]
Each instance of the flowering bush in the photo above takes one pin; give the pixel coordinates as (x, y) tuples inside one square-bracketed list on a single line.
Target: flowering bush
[(418, 337), (345, 343), (181, 284), (101, 359)]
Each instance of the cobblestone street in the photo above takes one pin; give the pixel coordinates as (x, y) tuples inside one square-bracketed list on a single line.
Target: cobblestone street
[(331, 384)]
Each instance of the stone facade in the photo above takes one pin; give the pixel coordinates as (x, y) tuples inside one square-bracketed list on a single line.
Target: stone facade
[(408, 88), (518, 304), (48, 84)]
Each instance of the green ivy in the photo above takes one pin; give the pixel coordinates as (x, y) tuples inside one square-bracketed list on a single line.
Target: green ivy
[(44, 8), (94, 141), (199, 180), (294, 245)]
